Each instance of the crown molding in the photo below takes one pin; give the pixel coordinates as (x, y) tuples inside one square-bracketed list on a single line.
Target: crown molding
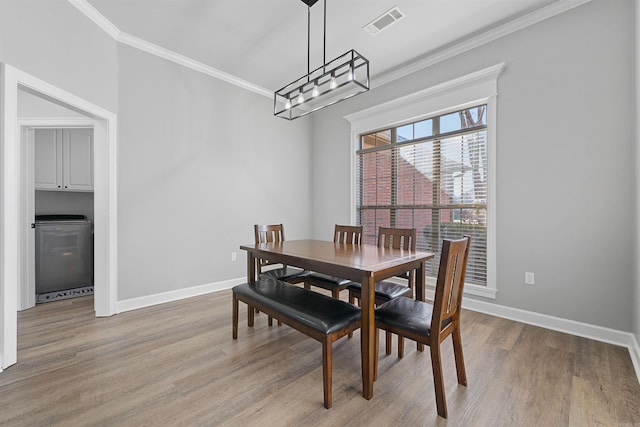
[(524, 21), (485, 37), (489, 74), (127, 39), (185, 61), (99, 19)]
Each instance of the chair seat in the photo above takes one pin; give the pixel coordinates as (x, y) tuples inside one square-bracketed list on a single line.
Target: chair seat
[(325, 279), (286, 273), (385, 290), (408, 314)]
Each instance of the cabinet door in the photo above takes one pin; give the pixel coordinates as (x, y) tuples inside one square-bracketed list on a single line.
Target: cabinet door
[(48, 158), (78, 159)]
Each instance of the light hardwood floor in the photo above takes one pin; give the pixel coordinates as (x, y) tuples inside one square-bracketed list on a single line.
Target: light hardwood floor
[(176, 365)]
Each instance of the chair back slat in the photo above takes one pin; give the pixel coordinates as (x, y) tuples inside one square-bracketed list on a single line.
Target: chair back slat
[(267, 234), (397, 238), (348, 234), (451, 275)]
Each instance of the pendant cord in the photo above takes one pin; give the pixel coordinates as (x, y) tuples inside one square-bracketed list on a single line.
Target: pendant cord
[(308, 41), (324, 43)]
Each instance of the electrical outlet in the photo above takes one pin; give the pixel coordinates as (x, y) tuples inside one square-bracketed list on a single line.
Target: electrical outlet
[(234, 256), (529, 278)]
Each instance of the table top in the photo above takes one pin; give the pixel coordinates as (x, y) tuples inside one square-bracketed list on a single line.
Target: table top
[(310, 253)]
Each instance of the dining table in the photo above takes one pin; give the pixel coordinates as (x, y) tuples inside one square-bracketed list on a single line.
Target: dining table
[(362, 263)]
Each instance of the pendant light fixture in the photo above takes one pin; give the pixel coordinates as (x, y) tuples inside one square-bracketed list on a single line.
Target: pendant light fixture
[(336, 80)]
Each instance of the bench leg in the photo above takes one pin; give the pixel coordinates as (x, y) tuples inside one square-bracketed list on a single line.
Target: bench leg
[(400, 346), (235, 317), (326, 371), (389, 336)]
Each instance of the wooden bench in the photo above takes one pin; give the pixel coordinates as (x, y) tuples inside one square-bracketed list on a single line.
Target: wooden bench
[(318, 316)]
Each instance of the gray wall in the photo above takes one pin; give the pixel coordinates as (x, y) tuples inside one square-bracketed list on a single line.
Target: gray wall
[(200, 162), (53, 41), (64, 202), (636, 328), (565, 205), (30, 106)]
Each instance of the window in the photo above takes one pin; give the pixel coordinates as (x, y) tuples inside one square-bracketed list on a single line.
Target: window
[(422, 137), (430, 175)]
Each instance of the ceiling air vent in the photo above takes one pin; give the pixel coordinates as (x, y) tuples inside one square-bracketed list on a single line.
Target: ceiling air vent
[(383, 21)]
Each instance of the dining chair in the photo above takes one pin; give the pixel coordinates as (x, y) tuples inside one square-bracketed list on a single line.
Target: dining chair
[(286, 273), (344, 234), (275, 233), (430, 324), (386, 290)]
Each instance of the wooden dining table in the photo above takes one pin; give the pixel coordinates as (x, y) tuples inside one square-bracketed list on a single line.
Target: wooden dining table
[(366, 264)]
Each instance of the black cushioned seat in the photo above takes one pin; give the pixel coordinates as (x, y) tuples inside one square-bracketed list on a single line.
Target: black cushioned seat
[(286, 273), (319, 312), (331, 280), (408, 314), (318, 316), (385, 290), (331, 283)]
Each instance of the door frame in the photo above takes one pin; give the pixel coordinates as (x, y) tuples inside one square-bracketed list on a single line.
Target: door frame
[(27, 286), (13, 207)]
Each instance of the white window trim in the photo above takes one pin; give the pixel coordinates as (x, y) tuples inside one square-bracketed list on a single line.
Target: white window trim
[(462, 92)]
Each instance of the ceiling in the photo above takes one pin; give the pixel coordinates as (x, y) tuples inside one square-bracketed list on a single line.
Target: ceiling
[(265, 41)]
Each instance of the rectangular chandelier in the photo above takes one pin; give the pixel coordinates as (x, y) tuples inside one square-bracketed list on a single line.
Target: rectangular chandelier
[(335, 81)]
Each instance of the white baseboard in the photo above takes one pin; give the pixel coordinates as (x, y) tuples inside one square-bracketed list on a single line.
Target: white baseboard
[(597, 333), (149, 300), (634, 351)]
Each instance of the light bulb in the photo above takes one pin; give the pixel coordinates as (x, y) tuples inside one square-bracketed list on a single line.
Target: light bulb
[(334, 83), (315, 92), (287, 104), (300, 98), (350, 75)]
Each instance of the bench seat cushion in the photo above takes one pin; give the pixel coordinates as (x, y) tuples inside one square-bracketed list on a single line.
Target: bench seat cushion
[(319, 312)]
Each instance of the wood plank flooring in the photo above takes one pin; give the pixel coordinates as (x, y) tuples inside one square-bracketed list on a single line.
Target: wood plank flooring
[(176, 365)]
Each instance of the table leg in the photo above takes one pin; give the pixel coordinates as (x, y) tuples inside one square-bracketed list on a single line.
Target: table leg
[(367, 336), (421, 278), (251, 276), (251, 267), (421, 273)]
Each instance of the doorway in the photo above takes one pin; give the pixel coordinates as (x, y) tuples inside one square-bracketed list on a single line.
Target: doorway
[(40, 180), (15, 225)]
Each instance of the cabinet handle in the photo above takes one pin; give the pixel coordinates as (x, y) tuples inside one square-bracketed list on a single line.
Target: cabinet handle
[(59, 186)]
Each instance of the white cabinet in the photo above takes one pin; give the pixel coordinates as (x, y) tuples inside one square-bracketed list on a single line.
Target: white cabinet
[(63, 159)]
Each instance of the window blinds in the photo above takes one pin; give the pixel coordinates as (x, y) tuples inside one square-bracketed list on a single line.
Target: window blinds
[(429, 175)]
